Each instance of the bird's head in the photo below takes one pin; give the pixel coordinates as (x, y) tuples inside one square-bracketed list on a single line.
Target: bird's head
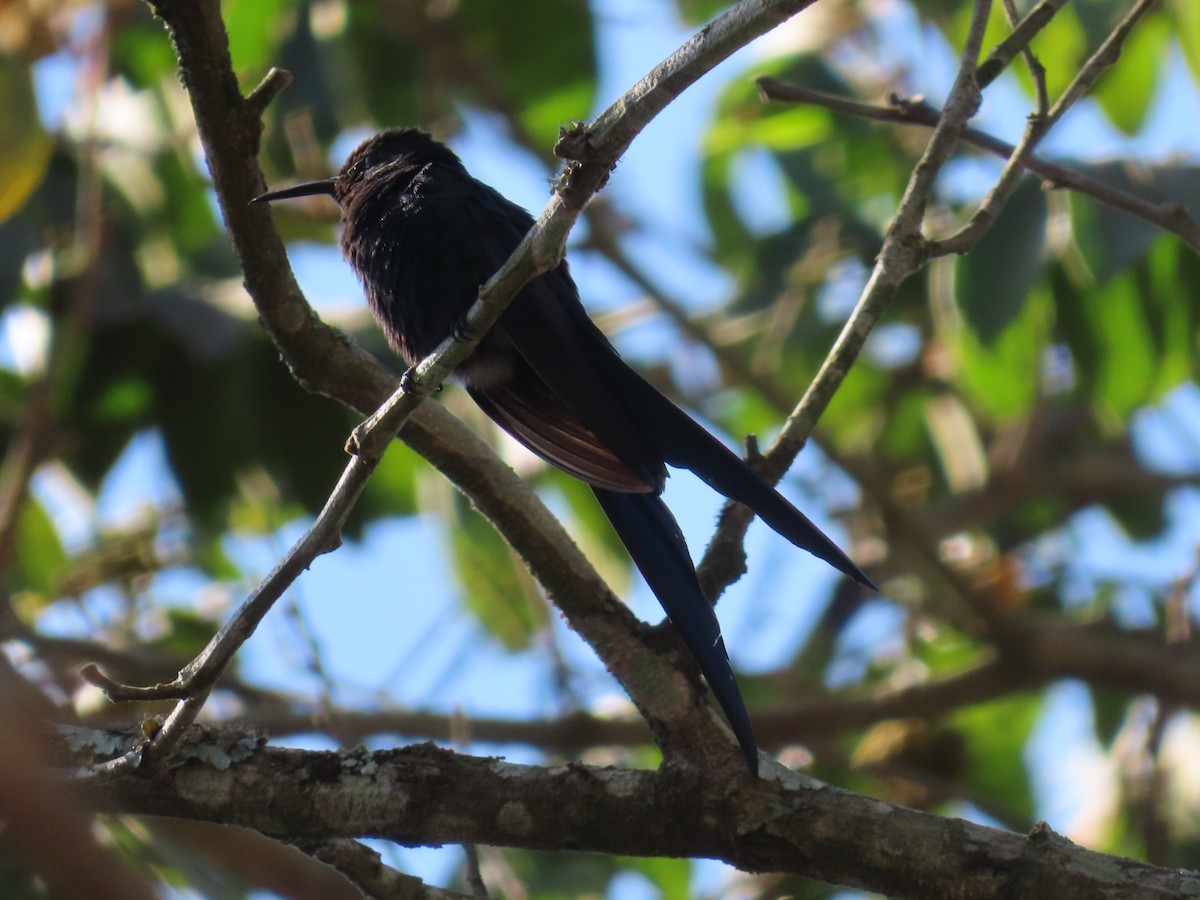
[(395, 153)]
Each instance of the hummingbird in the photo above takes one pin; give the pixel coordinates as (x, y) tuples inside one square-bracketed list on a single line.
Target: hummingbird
[(423, 236)]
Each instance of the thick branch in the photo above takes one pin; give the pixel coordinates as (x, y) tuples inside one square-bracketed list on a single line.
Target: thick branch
[(426, 796)]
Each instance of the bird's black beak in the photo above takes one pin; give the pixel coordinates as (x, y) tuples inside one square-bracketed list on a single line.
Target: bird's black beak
[(307, 189)]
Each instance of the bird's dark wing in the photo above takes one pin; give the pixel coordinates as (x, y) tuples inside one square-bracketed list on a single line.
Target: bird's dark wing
[(581, 367), (654, 540), (550, 329), (535, 416)]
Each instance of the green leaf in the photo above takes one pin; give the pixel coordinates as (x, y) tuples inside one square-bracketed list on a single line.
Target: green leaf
[(671, 876), (546, 72), (854, 414), (41, 559), (187, 633), (994, 279), (139, 51), (254, 29), (1110, 240), (1003, 379), (591, 530), (417, 63), (1187, 31), (392, 488), (499, 591), (1061, 47), (24, 145), (1141, 516), (1127, 360), (1124, 92), (996, 734), (1172, 270)]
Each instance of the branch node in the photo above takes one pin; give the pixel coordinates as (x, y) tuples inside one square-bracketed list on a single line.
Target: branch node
[(573, 143), (125, 693), (273, 83)]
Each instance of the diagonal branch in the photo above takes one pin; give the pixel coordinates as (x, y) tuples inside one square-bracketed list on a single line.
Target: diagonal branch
[(903, 253), (229, 126)]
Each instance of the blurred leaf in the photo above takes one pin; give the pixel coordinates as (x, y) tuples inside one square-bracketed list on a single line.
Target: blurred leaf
[(186, 634), (1110, 240), (24, 145), (1142, 517), (1003, 379), (499, 592), (693, 12), (1171, 271), (671, 876), (855, 412), (384, 63), (14, 391), (546, 73), (392, 488), (415, 62), (1124, 92), (906, 436), (1187, 30), (317, 96), (201, 366), (40, 557), (1126, 361), (994, 279), (591, 530), (139, 51), (554, 875), (254, 27), (1061, 46), (780, 128), (208, 553), (119, 557), (796, 136), (125, 399), (995, 734)]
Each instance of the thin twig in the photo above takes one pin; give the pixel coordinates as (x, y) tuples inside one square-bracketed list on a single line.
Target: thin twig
[(1023, 32), (1171, 217), (364, 868), (1036, 128)]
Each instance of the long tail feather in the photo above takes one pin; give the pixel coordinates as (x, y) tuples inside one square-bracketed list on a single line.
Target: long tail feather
[(688, 446), (652, 537)]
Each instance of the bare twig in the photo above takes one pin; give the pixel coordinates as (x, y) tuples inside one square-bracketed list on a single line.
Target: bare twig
[(1171, 217), (364, 868), (1024, 31), (1036, 128)]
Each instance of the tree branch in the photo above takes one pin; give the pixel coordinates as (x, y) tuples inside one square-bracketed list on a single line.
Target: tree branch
[(789, 823), (1036, 128), (1172, 217)]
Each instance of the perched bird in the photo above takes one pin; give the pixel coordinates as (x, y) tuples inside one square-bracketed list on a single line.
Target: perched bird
[(423, 237)]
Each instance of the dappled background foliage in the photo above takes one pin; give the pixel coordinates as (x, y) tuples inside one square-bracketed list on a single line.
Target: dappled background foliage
[(1021, 437)]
